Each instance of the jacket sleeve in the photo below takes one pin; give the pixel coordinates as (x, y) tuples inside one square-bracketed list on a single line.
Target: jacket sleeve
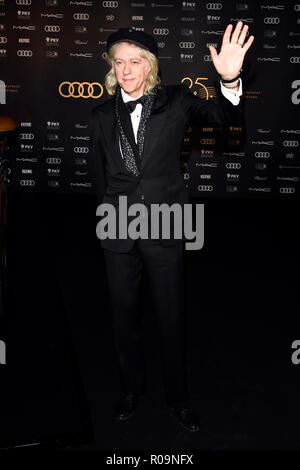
[(97, 154), (202, 112)]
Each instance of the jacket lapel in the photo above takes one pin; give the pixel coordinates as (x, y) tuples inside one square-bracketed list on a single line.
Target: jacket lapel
[(155, 125)]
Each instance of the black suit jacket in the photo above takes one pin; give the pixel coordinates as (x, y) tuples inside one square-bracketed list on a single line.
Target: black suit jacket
[(175, 108)]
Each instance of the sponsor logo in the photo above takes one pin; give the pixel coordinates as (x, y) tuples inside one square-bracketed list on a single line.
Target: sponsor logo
[(272, 20), (86, 55), (24, 53), (31, 160), (28, 28), (188, 5), (268, 59), (53, 149), (23, 15), (187, 18), (261, 166), (207, 58), (106, 4), (24, 40), (53, 171), (26, 136), (81, 16), (210, 19), (295, 60), (52, 41), (51, 3), (80, 90), (81, 4), (160, 31), (27, 183), (214, 6), (207, 141), (51, 28), (187, 45), (233, 166), (290, 143), (80, 29), (270, 33), (231, 189), (80, 161), (272, 7), (81, 150), (207, 165), (23, 2), (260, 190), (205, 187), (290, 190), (160, 18), (53, 160), (186, 57), (3, 40), (262, 142), (52, 15), (205, 177), (27, 171), (52, 54), (2, 53), (137, 18), (26, 148), (262, 154), (53, 184)]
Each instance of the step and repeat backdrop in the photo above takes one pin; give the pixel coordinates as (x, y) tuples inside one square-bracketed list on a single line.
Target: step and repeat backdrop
[(52, 68)]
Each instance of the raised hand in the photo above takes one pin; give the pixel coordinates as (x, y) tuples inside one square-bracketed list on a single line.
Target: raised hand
[(229, 61)]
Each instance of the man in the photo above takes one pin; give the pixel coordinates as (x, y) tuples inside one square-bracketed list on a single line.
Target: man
[(137, 138)]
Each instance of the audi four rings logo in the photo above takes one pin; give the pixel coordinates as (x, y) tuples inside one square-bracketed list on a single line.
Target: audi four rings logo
[(295, 60), (81, 150), (287, 190), (262, 154), (271, 20), (207, 58), (290, 143), (110, 4), (3, 40), (205, 187), (26, 136), (23, 2), (27, 182), (81, 16), (24, 53), (187, 45), (51, 28), (207, 141), (161, 31), (214, 6), (233, 166), (55, 161), (80, 90)]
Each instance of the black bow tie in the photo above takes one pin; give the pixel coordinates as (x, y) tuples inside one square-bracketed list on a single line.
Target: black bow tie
[(132, 104)]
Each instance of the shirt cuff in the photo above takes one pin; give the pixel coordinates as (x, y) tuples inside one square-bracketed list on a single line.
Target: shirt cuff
[(232, 95)]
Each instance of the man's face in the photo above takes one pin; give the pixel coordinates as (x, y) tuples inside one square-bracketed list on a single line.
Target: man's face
[(131, 69)]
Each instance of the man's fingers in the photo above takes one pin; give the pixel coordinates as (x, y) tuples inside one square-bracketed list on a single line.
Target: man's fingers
[(212, 51), (236, 32), (226, 36), (248, 43), (242, 37)]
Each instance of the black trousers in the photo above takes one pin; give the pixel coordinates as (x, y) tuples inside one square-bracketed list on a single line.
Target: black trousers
[(164, 267)]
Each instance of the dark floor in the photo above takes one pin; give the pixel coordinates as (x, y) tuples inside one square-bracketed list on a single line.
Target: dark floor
[(242, 317)]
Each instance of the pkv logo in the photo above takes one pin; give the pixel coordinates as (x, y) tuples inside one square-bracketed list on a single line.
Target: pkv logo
[(2, 352)]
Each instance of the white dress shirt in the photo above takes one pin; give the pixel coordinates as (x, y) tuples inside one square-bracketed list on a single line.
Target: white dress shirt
[(231, 95)]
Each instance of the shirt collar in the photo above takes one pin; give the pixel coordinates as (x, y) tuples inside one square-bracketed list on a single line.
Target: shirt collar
[(128, 97)]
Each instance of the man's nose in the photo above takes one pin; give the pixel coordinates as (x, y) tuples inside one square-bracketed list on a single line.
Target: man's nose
[(127, 68)]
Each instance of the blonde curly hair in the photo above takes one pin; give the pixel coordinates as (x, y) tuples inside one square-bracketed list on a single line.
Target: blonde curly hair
[(152, 77)]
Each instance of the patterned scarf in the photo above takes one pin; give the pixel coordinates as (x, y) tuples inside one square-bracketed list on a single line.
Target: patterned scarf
[(127, 150)]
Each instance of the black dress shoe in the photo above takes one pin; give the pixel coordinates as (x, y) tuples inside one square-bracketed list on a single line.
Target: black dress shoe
[(126, 406), (187, 417)]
